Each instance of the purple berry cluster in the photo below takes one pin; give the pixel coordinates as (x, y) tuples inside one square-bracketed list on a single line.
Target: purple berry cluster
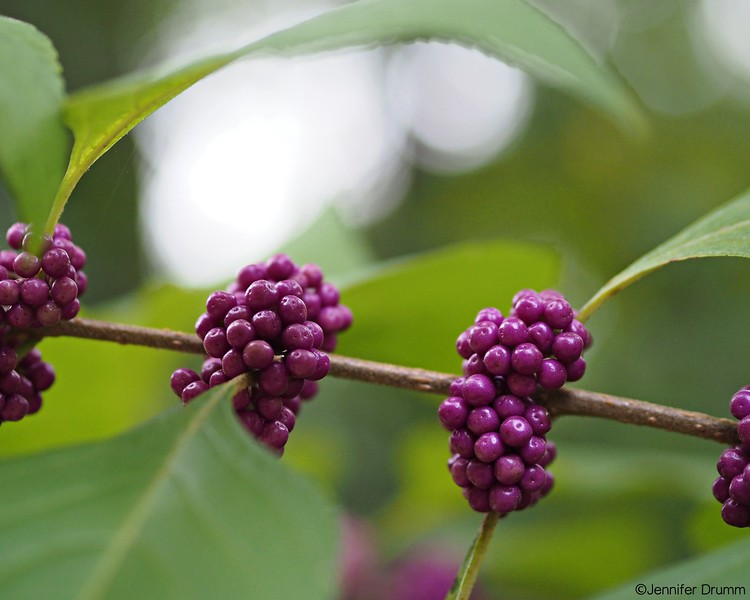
[(498, 433), (21, 382), (36, 290), (276, 322), (498, 443), (732, 488), (42, 291), (540, 342)]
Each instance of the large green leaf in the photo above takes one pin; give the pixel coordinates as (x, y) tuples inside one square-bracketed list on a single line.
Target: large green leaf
[(723, 232), (33, 139), (411, 312), (186, 506), (510, 30), (721, 574)]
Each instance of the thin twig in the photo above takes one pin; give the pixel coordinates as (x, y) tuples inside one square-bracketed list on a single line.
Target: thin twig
[(558, 402)]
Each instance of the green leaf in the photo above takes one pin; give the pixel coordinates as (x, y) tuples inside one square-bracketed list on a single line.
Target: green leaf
[(411, 311), (186, 506), (34, 147), (720, 574), (722, 232), (510, 30)]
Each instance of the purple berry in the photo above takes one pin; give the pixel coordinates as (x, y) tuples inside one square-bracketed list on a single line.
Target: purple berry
[(267, 324), (735, 514), (731, 463), (526, 358), (552, 374), (529, 308), (483, 420), (721, 489), (512, 332), (298, 336), (181, 378), (15, 235), (453, 412), (215, 343), (261, 294), (34, 292), (515, 431), (457, 466), (48, 314), (489, 447), (480, 474), (504, 499), (558, 313), (482, 336), (258, 354), (521, 385), (478, 390), (497, 360), (239, 333), (292, 310), (27, 264), (462, 443), (218, 304), (567, 347), (541, 335), (279, 267), (192, 390), (232, 364), (739, 406), (301, 363), (63, 291), (489, 314), (576, 369), (10, 292), (55, 263), (509, 469)]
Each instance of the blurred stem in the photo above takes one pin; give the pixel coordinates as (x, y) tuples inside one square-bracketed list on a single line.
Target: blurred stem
[(558, 402), (467, 574)]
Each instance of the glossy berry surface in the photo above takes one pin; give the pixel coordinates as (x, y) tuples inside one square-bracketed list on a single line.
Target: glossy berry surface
[(40, 282), (538, 344), (498, 433), (275, 322), (732, 487), (41, 289)]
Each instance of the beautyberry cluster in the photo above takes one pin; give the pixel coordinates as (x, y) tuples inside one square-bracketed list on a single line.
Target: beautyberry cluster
[(540, 342), (42, 291), (35, 290), (732, 488), (21, 382), (276, 322), (498, 433)]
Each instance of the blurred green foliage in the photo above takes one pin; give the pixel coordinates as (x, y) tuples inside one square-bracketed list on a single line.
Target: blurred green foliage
[(627, 500)]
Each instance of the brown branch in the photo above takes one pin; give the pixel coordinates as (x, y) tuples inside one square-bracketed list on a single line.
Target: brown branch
[(558, 402)]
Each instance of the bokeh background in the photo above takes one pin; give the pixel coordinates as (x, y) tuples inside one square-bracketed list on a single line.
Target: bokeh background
[(353, 158)]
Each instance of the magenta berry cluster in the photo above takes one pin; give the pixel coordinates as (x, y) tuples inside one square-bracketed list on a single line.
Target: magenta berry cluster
[(21, 382), (498, 433), (732, 487), (276, 322), (539, 343), (499, 446), (36, 290), (40, 291)]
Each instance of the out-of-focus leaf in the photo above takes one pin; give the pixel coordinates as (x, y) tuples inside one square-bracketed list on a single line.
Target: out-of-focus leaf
[(411, 312), (33, 140), (510, 30), (723, 232), (721, 574), (186, 506)]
